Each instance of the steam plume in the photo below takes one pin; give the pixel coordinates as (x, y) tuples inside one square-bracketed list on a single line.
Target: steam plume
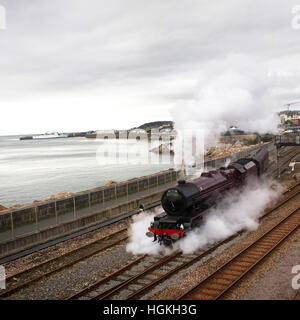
[(239, 210), (235, 91)]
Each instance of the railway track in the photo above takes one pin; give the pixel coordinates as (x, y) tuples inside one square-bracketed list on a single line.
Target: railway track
[(135, 280), (28, 276), (138, 277), (286, 158), (140, 281), (217, 284), (38, 272)]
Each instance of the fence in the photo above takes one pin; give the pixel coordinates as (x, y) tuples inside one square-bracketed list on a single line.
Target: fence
[(288, 139), (35, 218)]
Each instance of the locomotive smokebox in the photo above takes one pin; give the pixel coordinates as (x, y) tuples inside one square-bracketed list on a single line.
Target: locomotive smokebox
[(176, 201)]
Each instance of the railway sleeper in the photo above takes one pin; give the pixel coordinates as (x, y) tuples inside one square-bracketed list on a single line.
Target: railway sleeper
[(224, 278), (235, 274), (212, 288), (243, 264), (239, 270), (206, 293)]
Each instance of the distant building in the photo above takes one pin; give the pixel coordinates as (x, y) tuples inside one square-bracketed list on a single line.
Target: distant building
[(137, 134), (292, 117), (137, 131)]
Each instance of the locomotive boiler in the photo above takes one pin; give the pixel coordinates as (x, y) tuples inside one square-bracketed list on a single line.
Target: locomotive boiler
[(186, 204)]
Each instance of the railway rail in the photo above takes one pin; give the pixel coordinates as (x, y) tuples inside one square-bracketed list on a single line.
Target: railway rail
[(134, 281), (28, 276), (217, 284), (286, 158)]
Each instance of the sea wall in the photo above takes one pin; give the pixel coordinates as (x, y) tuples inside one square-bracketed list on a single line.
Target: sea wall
[(53, 232)]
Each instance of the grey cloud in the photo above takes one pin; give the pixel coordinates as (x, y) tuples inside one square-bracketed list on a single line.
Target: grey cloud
[(75, 45)]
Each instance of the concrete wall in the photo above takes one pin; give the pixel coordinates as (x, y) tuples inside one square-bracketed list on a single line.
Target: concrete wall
[(18, 244), (98, 196), (28, 226)]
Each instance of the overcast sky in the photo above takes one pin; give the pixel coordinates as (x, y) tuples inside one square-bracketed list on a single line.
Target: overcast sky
[(72, 65)]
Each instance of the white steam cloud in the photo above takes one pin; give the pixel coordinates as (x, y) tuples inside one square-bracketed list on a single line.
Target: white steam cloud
[(239, 210), (139, 243), (235, 91)]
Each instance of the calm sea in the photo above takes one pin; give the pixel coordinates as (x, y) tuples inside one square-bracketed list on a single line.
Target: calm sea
[(36, 169)]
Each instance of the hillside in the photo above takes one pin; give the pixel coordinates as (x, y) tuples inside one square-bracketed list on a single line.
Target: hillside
[(154, 124)]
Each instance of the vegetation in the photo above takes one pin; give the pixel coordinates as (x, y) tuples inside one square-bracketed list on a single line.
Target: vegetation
[(154, 124), (250, 141), (289, 123), (258, 139), (266, 138)]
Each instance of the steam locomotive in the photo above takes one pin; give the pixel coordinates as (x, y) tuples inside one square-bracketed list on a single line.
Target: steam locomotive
[(185, 205)]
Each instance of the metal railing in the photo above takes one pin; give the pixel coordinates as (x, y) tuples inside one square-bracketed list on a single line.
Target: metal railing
[(43, 215)]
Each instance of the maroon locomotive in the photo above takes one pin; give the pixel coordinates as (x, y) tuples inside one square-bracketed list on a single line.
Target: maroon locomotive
[(185, 205)]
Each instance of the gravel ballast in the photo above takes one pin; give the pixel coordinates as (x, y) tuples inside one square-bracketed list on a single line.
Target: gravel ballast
[(270, 280)]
